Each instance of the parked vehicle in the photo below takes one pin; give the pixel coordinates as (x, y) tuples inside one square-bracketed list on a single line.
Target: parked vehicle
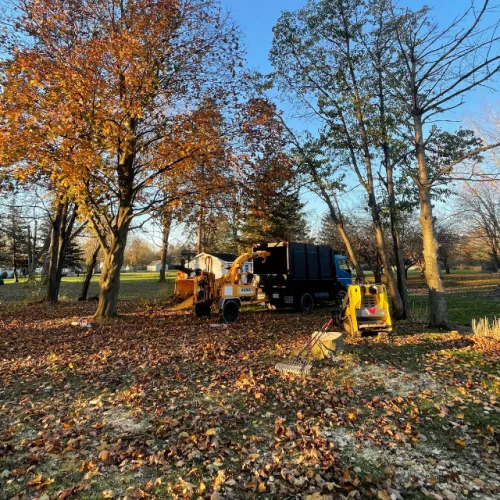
[(300, 275), (200, 289)]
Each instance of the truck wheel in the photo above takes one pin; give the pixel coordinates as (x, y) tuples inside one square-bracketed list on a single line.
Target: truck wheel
[(202, 309), (306, 303), (230, 311)]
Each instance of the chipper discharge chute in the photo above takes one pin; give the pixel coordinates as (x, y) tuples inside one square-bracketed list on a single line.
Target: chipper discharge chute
[(366, 310)]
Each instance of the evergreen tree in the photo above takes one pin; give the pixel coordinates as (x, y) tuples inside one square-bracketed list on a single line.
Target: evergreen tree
[(73, 256), (280, 217)]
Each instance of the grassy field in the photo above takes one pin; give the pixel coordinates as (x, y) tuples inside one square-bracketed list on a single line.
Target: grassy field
[(470, 295), (133, 286)]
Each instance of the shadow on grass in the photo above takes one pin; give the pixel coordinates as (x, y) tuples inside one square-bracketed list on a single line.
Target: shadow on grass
[(407, 356)]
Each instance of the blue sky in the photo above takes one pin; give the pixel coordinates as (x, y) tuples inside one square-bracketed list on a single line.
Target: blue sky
[(257, 18)]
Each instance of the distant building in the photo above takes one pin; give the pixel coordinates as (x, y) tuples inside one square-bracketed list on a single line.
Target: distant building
[(155, 266), (221, 263), (7, 273)]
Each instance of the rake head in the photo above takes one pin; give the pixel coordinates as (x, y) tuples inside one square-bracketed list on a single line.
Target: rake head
[(294, 367)]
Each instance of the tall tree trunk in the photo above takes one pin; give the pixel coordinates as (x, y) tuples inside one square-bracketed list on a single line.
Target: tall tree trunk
[(438, 307), (38, 255), (325, 195), (30, 251), (14, 259), (401, 273), (199, 235), (495, 254), (88, 275), (339, 224), (114, 252), (360, 274), (167, 223), (56, 251), (397, 303), (62, 227), (368, 184)]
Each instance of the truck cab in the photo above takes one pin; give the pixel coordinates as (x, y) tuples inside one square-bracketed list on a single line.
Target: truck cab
[(344, 273)]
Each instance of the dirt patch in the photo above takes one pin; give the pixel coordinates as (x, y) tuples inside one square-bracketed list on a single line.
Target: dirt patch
[(122, 422)]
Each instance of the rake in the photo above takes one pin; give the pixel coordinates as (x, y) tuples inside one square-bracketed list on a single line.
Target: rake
[(299, 365)]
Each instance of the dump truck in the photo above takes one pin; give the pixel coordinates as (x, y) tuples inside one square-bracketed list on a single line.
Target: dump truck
[(301, 275)]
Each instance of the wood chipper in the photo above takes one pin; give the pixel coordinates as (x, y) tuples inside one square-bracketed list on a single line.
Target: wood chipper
[(366, 310), (202, 290)]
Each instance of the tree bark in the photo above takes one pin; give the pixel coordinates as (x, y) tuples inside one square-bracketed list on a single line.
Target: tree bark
[(397, 303), (52, 292), (114, 241), (495, 254), (199, 234), (368, 184), (339, 224), (438, 307), (61, 229), (14, 259), (347, 242), (401, 272), (89, 274), (36, 256), (114, 253), (167, 223)]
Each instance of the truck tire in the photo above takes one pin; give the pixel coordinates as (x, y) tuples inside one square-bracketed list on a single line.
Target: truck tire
[(202, 309), (230, 311), (306, 303)]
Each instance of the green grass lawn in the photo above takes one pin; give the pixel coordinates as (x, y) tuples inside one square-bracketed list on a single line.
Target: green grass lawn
[(133, 286), (470, 294)]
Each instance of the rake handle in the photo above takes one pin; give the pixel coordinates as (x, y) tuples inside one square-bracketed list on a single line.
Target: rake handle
[(314, 339)]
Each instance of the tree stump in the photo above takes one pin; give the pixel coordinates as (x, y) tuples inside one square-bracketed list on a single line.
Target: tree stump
[(330, 342)]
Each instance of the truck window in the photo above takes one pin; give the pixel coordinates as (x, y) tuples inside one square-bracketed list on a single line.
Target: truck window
[(344, 266)]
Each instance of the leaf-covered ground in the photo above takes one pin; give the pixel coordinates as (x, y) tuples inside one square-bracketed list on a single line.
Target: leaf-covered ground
[(161, 405)]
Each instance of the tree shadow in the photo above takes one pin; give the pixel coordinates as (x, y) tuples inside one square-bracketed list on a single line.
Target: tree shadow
[(408, 355)]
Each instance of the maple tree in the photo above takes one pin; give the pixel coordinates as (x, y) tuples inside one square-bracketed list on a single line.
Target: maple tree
[(100, 98)]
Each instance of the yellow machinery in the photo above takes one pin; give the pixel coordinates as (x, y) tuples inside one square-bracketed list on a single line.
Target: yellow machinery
[(203, 290), (366, 310)]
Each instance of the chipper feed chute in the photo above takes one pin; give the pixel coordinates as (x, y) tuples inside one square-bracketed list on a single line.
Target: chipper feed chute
[(367, 310), (185, 290)]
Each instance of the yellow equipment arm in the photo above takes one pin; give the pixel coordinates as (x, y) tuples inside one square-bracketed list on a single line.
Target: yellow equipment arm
[(230, 277)]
